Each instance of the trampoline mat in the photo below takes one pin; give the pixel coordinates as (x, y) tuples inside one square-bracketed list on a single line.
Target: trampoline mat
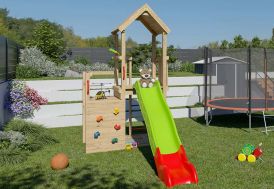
[(241, 104)]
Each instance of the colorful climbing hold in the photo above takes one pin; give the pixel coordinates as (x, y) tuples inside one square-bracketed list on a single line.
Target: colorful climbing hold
[(116, 111), (96, 135), (114, 140), (117, 126), (99, 118)]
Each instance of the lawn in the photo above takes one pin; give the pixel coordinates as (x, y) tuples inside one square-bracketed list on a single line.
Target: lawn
[(211, 149)]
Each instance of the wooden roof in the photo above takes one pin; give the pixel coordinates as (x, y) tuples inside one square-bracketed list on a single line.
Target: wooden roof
[(148, 18)]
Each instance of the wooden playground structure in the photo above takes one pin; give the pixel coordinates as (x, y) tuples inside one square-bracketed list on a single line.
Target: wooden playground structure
[(109, 132)]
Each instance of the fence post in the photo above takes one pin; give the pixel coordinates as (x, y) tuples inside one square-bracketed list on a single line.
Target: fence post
[(6, 58)]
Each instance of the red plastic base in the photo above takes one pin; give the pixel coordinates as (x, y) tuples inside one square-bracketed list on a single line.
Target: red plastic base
[(174, 169)]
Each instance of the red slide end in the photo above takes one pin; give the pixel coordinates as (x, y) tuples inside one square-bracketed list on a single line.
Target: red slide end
[(174, 169)]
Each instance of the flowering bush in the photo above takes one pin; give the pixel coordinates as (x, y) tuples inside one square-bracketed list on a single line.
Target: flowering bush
[(24, 100)]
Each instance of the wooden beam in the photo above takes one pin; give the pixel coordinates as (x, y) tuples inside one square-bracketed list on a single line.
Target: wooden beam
[(153, 56), (164, 62), (134, 16), (123, 56), (116, 60), (130, 70)]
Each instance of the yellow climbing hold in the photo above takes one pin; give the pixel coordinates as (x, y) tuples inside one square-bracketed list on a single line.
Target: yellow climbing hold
[(241, 157), (251, 158), (116, 111)]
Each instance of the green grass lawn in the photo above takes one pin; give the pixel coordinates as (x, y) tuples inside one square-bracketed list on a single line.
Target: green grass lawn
[(211, 149)]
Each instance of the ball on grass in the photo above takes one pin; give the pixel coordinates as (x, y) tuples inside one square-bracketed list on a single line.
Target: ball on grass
[(59, 161)]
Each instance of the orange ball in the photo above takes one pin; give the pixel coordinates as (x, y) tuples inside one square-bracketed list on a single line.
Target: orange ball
[(59, 161)]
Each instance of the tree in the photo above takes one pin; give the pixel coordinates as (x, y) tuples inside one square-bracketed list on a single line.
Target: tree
[(131, 43), (239, 42), (256, 42), (213, 45), (224, 44), (49, 38), (273, 34)]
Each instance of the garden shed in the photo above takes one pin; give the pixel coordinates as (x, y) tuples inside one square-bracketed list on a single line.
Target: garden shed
[(228, 72)]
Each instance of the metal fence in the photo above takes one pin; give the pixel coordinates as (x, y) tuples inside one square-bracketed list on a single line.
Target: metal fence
[(9, 57)]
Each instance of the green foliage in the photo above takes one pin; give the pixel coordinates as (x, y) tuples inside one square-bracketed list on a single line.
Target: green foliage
[(23, 72), (49, 38), (143, 52), (224, 44), (256, 42), (188, 67), (12, 155), (37, 136), (82, 60), (101, 42)]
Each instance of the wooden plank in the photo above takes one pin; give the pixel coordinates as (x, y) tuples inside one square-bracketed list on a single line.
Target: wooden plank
[(164, 63), (130, 71), (94, 73), (123, 56), (153, 56), (84, 107), (116, 70)]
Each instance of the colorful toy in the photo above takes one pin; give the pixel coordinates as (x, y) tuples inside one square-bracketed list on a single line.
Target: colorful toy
[(258, 151), (96, 135), (117, 126), (146, 80), (248, 149), (250, 153), (114, 140), (241, 157), (128, 147), (59, 161), (251, 158), (116, 111), (99, 118), (100, 95), (134, 144)]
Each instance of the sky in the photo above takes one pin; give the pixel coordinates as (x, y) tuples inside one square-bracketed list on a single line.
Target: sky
[(192, 22)]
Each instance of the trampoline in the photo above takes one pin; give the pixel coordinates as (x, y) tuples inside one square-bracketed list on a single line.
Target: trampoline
[(239, 80), (241, 104)]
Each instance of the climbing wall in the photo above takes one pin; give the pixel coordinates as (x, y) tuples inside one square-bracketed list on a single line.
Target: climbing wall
[(105, 125)]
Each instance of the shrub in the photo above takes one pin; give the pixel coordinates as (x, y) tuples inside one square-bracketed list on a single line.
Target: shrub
[(176, 66), (24, 100), (94, 67), (37, 136), (82, 60), (19, 138), (188, 67), (23, 71), (34, 58)]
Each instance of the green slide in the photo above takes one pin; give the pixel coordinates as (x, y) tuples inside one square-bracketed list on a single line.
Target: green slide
[(171, 162), (160, 125)]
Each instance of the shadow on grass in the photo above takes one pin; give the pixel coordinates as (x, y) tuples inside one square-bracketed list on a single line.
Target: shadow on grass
[(239, 120), (146, 151), (88, 176)]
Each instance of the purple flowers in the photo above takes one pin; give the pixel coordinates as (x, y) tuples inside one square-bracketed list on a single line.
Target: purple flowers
[(24, 100)]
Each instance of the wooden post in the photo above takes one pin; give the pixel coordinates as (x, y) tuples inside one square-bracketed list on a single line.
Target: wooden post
[(116, 59), (130, 115), (130, 70), (85, 97), (123, 56), (153, 56), (164, 63)]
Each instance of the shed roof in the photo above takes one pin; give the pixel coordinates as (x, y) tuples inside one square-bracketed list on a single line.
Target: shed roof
[(219, 58), (148, 18)]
